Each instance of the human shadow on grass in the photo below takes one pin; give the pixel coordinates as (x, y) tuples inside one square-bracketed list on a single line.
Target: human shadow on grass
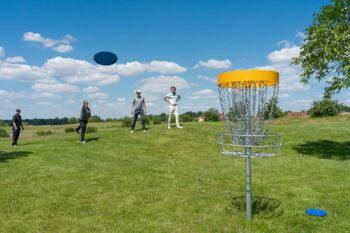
[(264, 207), (325, 149), (92, 139), (4, 156)]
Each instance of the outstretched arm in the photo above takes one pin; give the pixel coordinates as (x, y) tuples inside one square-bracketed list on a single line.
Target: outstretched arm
[(132, 107)]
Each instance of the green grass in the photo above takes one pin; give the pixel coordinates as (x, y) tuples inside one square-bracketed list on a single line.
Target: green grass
[(173, 181)]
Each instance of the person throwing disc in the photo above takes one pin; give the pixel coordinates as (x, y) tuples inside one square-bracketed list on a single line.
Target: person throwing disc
[(85, 114), (172, 99), (138, 107)]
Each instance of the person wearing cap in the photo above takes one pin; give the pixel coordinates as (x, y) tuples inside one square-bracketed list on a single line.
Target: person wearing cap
[(138, 107), (16, 126), (172, 99)]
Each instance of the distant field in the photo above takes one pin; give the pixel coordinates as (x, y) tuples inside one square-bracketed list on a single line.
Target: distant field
[(174, 180)]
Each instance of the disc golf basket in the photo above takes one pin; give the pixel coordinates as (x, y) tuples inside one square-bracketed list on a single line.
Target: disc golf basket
[(248, 99)]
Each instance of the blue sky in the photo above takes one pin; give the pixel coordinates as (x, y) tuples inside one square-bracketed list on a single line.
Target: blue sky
[(46, 50)]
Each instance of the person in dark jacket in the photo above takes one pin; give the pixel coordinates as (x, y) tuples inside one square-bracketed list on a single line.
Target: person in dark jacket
[(16, 126), (85, 114)]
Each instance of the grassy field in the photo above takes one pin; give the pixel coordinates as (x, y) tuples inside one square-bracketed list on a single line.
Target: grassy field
[(174, 181)]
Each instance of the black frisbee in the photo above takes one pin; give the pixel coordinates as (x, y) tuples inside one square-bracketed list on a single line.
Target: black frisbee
[(105, 58)]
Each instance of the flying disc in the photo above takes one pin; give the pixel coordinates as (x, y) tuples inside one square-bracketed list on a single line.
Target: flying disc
[(105, 58), (316, 212)]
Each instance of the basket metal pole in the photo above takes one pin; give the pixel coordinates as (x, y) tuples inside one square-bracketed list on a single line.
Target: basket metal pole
[(248, 151)]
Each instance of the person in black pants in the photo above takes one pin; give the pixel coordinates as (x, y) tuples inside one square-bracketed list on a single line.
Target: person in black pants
[(16, 126), (85, 114), (138, 107)]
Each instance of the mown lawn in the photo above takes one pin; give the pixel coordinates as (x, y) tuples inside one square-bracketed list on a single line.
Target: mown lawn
[(173, 181)]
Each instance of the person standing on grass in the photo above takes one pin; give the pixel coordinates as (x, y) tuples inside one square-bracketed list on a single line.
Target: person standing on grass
[(16, 126), (172, 98), (85, 114), (138, 107)]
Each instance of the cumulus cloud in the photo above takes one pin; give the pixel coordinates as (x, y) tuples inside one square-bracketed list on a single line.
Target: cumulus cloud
[(215, 64), (54, 86), (284, 55), (162, 83), (76, 71), (2, 51), (16, 59), (204, 94), (91, 89), (98, 95), (206, 78), (135, 67), (62, 45)]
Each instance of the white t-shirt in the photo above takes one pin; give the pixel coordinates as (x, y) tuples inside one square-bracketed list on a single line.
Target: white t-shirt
[(173, 98)]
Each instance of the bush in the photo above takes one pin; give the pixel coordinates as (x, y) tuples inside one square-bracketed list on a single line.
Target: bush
[(156, 120), (91, 129), (44, 133), (323, 108), (69, 130), (211, 114), (126, 122), (3, 133), (73, 120), (277, 111), (186, 118)]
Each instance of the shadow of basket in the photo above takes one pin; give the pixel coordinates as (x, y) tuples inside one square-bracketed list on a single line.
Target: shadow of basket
[(264, 207)]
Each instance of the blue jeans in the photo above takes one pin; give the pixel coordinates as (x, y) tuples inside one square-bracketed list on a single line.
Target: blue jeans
[(136, 114)]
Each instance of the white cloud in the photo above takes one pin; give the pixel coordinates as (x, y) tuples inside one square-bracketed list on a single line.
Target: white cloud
[(215, 64), (291, 87), (301, 35), (98, 95), (285, 54), (204, 94), (121, 99), (162, 84), (79, 71), (91, 89), (206, 78), (59, 45), (21, 72), (16, 59), (135, 67), (54, 86), (2, 51)]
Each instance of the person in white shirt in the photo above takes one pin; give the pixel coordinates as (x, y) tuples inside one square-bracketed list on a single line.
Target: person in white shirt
[(172, 99)]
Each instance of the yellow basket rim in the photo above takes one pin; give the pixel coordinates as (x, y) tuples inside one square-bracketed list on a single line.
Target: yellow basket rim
[(248, 78)]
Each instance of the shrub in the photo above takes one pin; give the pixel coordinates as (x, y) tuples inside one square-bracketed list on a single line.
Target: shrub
[(186, 118), (277, 111), (323, 108), (126, 122), (69, 130), (73, 120), (156, 120), (43, 132), (3, 133), (91, 129), (211, 114)]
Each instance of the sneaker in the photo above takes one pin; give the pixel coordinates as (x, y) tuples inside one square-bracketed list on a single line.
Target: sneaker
[(132, 131), (83, 142), (169, 127), (179, 127), (14, 145), (144, 131)]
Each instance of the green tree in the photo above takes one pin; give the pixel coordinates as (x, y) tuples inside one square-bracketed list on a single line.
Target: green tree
[(324, 55), (211, 114), (95, 118), (323, 108), (277, 111), (73, 120)]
